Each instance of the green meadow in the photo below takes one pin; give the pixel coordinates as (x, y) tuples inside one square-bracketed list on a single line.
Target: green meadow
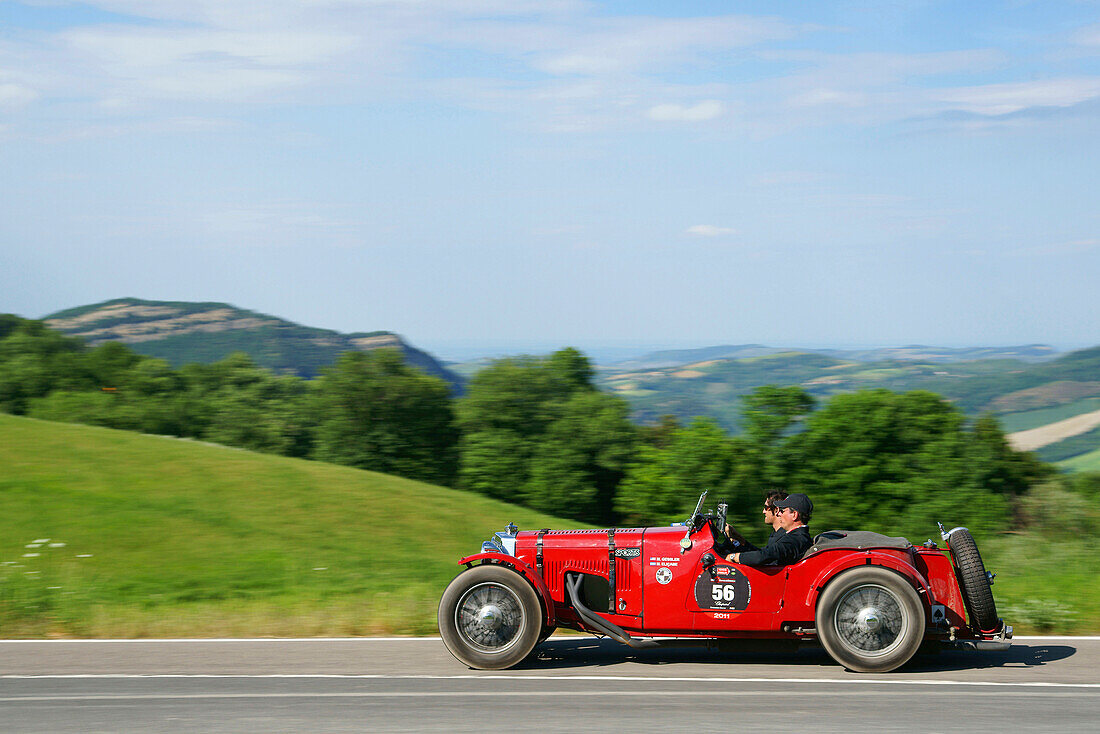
[(109, 533), (1089, 462)]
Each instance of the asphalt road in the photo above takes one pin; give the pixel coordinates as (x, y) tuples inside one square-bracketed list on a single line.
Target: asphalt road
[(572, 683)]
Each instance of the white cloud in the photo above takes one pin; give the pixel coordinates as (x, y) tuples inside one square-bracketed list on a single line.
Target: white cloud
[(558, 66), (15, 94), (1087, 36), (709, 230), (1003, 99), (1072, 247), (705, 110), (788, 178), (822, 96)]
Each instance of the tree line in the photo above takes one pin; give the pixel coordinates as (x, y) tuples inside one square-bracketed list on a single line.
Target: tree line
[(536, 431)]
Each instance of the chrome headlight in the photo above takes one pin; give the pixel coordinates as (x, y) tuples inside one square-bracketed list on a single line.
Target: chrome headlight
[(502, 542)]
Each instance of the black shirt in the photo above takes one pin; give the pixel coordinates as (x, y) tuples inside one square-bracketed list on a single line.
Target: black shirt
[(747, 546), (742, 544), (783, 549)]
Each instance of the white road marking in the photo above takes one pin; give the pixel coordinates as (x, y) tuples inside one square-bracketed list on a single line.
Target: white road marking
[(549, 678), (1017, 638), (236, 639), (1051, 638), (450, 694)]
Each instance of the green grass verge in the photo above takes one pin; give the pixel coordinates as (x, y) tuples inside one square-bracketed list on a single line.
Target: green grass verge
[(143, 536), (168, 537), (1044, 585)]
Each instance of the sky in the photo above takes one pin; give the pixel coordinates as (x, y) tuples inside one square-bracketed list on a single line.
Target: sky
[(495, 175)]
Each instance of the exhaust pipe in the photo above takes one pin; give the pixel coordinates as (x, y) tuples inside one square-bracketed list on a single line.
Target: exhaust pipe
[(598, 623)]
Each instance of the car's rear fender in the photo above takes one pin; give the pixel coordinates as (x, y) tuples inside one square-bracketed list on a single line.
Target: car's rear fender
[(523, 570), (847, 560)]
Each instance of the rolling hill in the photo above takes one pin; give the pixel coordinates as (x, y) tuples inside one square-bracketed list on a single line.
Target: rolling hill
[(109, 533), (182, 332), (1024, 394)]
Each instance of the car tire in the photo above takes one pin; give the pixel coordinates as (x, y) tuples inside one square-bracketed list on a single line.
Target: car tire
[(977, 595), (870, 620), (490, 618)]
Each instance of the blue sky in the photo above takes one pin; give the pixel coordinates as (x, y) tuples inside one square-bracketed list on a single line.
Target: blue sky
[(506, 174)]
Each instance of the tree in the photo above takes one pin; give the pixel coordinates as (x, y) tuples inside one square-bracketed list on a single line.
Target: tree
[(376, 412), (580, 460), (892, 462), (768, 414), (535, 430), (769, 411), (662, 485), (34, 361)]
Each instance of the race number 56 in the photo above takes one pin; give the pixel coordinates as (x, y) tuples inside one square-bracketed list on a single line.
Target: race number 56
[(723, 592)]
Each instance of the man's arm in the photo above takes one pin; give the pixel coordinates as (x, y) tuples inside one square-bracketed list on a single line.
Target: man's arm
[(737, 541), (785, 550)]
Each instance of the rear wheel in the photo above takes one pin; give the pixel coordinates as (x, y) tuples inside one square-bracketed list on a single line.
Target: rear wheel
[(490, 618), (973, 579), (870, 620)]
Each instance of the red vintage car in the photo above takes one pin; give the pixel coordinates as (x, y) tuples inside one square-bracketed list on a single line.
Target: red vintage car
[(869, 599)]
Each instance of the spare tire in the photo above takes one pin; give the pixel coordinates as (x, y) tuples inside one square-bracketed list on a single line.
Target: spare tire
[(973, 580)]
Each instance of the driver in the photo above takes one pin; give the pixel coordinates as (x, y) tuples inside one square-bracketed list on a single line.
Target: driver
[(739, 542), (785, 548)]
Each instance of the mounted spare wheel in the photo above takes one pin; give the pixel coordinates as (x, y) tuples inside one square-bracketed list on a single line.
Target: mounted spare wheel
[(870, 620), (490, 618), (973, 580)]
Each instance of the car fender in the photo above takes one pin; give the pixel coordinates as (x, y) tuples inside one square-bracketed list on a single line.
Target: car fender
[(868, 558), (524, 570)]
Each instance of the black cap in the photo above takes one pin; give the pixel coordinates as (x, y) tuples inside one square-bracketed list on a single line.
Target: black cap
[(797, 501)]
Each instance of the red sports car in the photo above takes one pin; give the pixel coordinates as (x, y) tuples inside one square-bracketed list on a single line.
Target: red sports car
[(869, 599)]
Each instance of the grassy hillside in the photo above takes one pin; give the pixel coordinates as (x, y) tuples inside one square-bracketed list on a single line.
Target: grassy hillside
[(169, 537), (1028, 419), (1083, 462), (113, 534)]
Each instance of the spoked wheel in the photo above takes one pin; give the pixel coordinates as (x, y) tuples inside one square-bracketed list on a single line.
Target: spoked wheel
[(870, 620), (489, 618)]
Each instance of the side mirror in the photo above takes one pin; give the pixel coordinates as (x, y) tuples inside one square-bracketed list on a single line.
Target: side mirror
[(708, 560)]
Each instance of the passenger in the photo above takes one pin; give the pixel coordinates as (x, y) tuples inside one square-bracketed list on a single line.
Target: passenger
[(785, 548), (739, 542)]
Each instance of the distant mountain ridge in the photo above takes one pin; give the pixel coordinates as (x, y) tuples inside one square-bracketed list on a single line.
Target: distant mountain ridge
[(184, 331), (913, 353)]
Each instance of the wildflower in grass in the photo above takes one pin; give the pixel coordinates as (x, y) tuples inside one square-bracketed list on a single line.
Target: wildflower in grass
[(83, 555), (31, 555), (57, 545), (40, 541), (322, 568)]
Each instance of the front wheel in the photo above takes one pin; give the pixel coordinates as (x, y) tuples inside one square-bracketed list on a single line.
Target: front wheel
[(870, 620), (489, 618)]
